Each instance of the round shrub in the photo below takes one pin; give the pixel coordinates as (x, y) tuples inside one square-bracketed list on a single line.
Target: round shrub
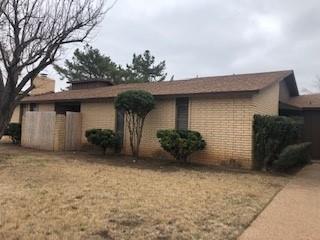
[(135, 101), (104, 138), (181, 143), (293, 156)]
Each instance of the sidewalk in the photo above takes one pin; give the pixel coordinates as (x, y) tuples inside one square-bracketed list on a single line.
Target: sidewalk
[(294, 214)]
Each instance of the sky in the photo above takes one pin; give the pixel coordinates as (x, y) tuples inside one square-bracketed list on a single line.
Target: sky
[(210, 37)]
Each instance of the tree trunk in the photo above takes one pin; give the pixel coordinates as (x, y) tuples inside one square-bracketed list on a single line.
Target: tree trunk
[(6, 111)]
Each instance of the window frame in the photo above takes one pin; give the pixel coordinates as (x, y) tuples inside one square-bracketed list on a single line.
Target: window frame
[(179, 102)]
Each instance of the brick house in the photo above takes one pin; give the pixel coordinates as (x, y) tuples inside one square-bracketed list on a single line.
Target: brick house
[(220, 108)]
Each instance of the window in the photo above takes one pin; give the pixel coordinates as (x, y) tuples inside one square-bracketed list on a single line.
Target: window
[(34, 107), (182, 113), (62, 108)]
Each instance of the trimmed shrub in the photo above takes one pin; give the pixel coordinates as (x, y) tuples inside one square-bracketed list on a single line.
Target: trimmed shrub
[(271, 135), (136, 104), (181, 143), (294, 156), (14, 132), (104, 138)]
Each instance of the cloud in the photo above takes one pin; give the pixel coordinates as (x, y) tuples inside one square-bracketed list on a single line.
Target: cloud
[(211, 37)]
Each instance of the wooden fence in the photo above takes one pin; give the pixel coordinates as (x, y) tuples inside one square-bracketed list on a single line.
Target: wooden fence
[(73, 131), (49, 131)]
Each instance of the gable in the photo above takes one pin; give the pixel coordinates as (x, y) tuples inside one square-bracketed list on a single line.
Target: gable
[(284, 93)]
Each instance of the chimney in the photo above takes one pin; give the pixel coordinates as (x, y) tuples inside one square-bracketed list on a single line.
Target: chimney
[(43, 84)]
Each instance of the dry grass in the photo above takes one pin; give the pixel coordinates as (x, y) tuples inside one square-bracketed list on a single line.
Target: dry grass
[(72, 196)]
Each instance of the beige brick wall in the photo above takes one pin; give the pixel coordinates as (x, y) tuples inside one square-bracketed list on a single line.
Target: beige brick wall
[(226, 126), (162, 117), (97, 115), (43, 107), (59, 132), (266, 102), (43, 84), (16, 115), (46, 107)]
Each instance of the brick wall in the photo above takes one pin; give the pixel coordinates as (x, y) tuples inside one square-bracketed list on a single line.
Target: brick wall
[(97, 115), (16, 115), (59, 132), (226, 126), (267, 101), (162, 117), (46, 107), (43, 107), (43, 84)]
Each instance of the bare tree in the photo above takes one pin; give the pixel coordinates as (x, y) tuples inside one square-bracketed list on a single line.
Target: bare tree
[(32, 35)]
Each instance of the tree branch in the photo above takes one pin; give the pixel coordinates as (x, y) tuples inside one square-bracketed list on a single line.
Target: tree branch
[(32, 33)]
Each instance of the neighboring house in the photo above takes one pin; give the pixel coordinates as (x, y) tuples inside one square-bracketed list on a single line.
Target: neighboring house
[(220, 108)]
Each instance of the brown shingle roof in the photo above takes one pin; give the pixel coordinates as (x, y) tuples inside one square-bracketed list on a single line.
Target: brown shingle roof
[(306, 101), (220, 84)]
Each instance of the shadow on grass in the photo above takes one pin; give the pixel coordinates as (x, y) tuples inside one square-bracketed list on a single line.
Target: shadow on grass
[(162, 165)]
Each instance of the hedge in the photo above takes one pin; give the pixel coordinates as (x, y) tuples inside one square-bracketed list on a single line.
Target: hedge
[(271, 135)]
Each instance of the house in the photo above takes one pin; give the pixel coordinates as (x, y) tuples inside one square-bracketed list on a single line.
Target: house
[(221, 108)]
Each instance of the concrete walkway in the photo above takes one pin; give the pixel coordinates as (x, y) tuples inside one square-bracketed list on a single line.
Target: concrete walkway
[(294, 214)]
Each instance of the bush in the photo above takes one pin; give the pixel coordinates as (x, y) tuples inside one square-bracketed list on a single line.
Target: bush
[(293, 156), (104, 138), (14, 132), (180, 143), (271, 135)]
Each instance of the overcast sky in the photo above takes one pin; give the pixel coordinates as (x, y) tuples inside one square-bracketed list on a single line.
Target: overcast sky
[(211, 37)]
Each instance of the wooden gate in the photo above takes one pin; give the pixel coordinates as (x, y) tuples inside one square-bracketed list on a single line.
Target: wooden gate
[(51, 131), (73, 131), (38, 130)]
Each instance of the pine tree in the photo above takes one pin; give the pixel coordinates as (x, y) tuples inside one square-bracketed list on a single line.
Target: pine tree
[(144, 69), (90, 64)]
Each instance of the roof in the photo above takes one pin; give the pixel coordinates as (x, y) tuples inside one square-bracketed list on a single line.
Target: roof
[(306, 101), (242, 83), (91, 81)]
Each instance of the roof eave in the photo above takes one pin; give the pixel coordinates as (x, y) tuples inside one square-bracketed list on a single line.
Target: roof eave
[(247, 93)]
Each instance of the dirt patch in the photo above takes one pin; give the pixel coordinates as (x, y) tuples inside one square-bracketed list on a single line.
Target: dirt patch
[(47, 195)]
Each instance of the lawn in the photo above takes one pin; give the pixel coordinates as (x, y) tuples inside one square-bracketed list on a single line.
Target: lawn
[(81, 196)]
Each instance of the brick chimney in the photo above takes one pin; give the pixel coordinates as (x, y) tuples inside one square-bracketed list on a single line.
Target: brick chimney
[(43, 84)]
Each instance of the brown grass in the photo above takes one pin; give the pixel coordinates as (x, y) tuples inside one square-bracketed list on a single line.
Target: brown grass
[(81, 196)]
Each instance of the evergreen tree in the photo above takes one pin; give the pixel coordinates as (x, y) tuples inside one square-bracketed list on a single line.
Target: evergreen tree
[(90, 64), (144, 69)]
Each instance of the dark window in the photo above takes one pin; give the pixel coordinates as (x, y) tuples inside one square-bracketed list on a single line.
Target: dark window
[(33, 107), (120, 124), (182, 113), (62, 108)]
